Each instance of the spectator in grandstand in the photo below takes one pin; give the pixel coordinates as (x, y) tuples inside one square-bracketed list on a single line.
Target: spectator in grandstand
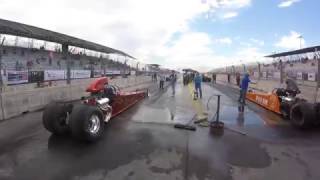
[(244, 88), (58, 63), (29, 64), (17, 66), (197, 84)]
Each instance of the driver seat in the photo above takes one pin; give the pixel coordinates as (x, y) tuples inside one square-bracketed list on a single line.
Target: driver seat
[(109, 92)]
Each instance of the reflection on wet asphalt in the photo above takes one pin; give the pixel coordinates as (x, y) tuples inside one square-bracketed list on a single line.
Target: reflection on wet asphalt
[(141, 143)]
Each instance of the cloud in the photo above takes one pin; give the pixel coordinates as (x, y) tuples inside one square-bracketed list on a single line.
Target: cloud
[(225, 40), (287, 3), (142, 28), (291, 41), (193, 50), (250, 54), (257, 41), (225, 9), (229, 15)]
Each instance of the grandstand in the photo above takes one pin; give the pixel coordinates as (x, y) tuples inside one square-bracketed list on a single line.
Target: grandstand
[(301, 65), (292, 65), (29, 52), (19, 59)]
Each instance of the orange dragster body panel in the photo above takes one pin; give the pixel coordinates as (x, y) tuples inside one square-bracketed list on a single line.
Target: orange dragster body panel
[(269, 101)]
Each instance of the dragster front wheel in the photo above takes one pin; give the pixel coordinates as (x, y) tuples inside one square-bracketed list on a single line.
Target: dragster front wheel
[(86, 122)]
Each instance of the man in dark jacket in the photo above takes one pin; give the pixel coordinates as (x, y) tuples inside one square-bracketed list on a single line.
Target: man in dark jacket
[(244, 88)]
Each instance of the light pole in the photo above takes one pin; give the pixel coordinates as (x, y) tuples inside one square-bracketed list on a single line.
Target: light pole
[(318, 79), (1, 44), (259, 70), (1, 82)]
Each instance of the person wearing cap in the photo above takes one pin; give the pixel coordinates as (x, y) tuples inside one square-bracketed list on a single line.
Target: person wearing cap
[(244, 88)]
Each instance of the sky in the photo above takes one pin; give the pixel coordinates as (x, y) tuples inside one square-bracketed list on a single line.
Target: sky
[(199, 34)]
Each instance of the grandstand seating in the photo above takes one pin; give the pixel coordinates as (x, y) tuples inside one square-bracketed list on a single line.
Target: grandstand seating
[(18, 58)]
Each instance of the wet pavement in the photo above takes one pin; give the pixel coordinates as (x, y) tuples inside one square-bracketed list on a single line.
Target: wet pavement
[(141, 143)]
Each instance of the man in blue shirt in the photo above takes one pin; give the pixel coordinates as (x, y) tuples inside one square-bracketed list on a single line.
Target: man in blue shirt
[(197, 84), (244, 88)]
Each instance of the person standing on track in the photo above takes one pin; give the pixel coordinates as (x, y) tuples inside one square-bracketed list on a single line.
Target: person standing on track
[(214, 78), (173, 80), (162, 79), (238, 79), (197, 84), (244, 88)]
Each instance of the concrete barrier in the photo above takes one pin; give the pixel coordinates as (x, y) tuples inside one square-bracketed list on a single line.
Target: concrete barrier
[(20, 100)]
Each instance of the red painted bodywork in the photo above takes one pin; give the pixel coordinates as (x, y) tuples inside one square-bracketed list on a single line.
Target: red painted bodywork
[(125, 100), (122, 100), (97, 85)]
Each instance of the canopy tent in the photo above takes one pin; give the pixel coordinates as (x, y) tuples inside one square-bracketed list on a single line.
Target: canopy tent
[(295, 52)]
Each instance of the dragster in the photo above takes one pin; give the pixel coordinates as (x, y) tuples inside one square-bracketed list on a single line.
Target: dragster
[(85, 120), (300, 112)]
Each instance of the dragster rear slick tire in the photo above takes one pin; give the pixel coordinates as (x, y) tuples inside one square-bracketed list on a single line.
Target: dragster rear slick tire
[(86, 123), (54, 117), (302, 115)]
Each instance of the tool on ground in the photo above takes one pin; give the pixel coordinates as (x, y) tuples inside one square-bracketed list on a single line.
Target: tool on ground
[(186, 126), (216, 124)]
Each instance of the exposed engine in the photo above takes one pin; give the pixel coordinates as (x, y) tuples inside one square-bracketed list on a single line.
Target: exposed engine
[(104, 106), (287, 97)]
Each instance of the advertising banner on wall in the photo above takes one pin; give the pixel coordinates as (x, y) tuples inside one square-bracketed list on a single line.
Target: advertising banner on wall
[(97, 73), (50, 75), (299, 76), (80, 74), (113, 72), (311, 76), (17, 77)]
